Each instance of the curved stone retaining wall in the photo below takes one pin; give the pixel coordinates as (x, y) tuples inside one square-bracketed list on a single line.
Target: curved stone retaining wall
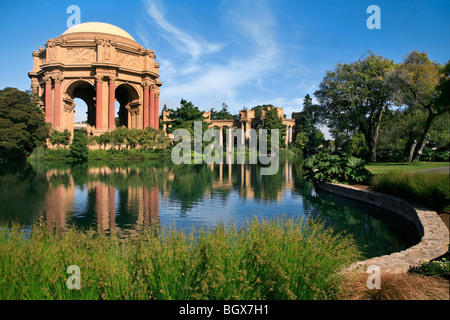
[(434, 233)]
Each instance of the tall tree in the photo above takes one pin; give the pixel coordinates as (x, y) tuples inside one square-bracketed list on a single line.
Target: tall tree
[(22, 124), (273, 121), (443, 88), (223, 114), (184, 117), (420, 84), (308, 136), (354, 96)]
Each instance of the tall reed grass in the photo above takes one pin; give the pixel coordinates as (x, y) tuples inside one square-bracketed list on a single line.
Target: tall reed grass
[(279, 259), (429, 189)]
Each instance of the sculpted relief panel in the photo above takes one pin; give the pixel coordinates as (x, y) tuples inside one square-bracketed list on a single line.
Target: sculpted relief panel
[(127, 60), (107, 52), (80, 55)]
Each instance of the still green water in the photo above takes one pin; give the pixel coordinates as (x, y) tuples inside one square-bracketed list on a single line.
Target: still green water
[(130, 197)]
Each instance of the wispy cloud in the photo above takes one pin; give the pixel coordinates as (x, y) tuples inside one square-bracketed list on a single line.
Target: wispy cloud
[(180, 40), (206, 81)]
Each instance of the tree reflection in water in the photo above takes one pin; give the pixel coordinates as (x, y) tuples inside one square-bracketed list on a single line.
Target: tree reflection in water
[(128, 197)]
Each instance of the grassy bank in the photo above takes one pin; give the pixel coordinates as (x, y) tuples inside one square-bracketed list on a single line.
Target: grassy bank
[(399, 167), (429, 189), (282, 259)]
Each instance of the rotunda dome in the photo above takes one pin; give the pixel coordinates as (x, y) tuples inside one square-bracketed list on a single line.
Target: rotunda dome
[(98, 27)]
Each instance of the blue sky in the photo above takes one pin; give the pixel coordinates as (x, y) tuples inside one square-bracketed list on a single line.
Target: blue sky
[(240, 52)]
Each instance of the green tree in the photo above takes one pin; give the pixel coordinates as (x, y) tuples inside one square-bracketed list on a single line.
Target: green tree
[(443, 88), (273, 121), (184, 118), (258, 109), (223, 114), (354, 96), (22, 125), (79, 148), (308, 137), (420, 84)]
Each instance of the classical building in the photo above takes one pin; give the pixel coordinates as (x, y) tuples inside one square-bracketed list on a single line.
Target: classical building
[(100, 64), (246, 121)]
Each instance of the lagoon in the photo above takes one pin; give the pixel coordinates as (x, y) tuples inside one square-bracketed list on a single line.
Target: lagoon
[(129, 197)]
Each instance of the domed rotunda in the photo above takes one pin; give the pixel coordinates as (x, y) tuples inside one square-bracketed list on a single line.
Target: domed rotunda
[(100, 64)]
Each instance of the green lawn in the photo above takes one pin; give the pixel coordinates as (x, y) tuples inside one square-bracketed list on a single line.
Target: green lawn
[(381, 168)]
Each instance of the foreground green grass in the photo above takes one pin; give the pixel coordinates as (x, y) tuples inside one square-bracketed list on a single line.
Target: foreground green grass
[(383, 168), (264, 260), (429, 189)]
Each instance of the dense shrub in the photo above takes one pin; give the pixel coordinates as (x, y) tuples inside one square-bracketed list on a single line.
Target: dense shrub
[(59, 154), (435, 155), (58, 138), (324, 167)]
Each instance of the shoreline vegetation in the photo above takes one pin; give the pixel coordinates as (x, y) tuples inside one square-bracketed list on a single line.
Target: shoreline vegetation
[(283, 259), (63, 154), (429, 189)]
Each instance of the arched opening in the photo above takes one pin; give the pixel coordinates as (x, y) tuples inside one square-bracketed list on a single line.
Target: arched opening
[(127, 99), (123, 98), (116, 113), (83, 95), (80, 116)]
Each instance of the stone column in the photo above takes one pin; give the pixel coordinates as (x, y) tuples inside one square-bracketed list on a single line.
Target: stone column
[(99, 102), (152, 107), (48, 100), (134, 112), (112, 107), (156, 111), (146, 106), (221, 136), (286, 138), (57, 103), (243, 127), (230, 140)]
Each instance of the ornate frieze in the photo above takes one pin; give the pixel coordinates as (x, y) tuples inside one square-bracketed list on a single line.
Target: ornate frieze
[(128, 60), (76, 54)]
